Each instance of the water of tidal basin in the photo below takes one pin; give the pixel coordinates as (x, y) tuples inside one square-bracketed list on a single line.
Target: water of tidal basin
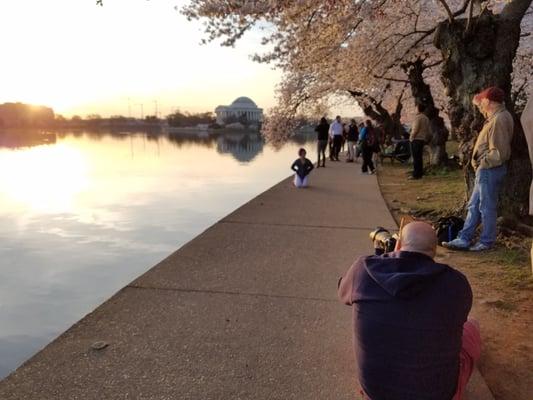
[(84, 214)]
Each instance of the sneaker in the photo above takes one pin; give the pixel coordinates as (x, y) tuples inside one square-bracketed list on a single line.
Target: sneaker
[(479, 247), (372, 172), (456, 244)]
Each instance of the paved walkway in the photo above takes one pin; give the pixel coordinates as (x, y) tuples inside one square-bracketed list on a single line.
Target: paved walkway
[(247, 310)]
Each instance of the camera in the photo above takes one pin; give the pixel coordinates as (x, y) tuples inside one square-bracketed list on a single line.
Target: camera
[(384, 241)]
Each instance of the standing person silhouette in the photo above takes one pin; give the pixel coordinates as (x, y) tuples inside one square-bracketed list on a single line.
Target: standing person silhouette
[(367, 138), (322, 131), (420, 133), (491, 152), (336, 130), (352, 137)]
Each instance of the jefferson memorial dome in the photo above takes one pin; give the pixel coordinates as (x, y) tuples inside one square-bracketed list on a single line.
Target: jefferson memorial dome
[(242, 106)]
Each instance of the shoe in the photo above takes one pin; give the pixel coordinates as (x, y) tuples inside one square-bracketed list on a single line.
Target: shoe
[(372, 172), (456, 244), (479, 247), (318, 165), (324, 165)]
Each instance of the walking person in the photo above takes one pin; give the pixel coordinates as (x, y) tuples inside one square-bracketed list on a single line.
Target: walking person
[(491, 152), (322, 130), (344, 136), (335, 133), (358, 151), (367, 139), (380, 141), (420, 133), (351, 139), (302, 166)]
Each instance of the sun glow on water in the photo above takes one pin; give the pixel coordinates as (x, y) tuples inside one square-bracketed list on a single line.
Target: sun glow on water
[(44, 178)]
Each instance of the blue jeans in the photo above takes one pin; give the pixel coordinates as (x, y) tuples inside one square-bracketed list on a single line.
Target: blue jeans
[(483, 205)]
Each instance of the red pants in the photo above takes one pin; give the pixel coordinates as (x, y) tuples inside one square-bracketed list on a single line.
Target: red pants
[(470, 352)]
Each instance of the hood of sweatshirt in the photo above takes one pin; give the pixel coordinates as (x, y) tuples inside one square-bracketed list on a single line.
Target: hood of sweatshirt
[(403, 274)]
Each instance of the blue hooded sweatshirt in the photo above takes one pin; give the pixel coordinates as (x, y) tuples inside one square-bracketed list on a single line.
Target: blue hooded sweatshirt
[(408, 315)]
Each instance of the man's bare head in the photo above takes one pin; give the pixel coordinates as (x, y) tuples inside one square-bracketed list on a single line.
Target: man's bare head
[(419, 237)]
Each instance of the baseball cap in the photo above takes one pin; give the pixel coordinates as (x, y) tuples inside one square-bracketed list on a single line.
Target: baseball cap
[(492, 93)]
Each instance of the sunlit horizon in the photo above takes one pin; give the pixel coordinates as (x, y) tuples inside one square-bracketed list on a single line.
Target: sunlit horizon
[(83, 59)]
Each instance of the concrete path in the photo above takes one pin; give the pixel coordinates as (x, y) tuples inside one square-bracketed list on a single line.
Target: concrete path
[(247, 310)]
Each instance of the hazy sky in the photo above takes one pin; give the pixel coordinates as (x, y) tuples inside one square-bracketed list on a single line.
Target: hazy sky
[(80, 58)]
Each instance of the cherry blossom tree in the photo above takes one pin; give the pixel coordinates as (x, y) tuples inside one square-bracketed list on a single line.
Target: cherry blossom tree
[(453, 48)]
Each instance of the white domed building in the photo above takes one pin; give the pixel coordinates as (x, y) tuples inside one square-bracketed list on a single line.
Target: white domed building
[(242, 107)]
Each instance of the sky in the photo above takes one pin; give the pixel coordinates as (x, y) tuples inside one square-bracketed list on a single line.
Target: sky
[(81, 59)]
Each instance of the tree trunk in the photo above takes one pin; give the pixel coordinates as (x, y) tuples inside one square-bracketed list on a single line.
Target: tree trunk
[(421, 92), (372, 108), (474, 60)]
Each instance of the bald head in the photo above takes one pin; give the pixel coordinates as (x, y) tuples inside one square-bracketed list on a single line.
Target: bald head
[(419, 237)]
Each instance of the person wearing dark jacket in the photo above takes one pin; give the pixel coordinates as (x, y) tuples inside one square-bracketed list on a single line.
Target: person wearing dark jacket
[(351, 138), (302, 166), (411, 334), (322, 130), (367, 139)]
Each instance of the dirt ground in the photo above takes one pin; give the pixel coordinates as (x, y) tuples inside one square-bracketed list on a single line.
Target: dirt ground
[(501, 278)]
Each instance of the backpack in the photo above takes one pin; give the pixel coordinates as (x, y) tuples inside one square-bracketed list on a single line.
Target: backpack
[(447, 228), (370, 136)]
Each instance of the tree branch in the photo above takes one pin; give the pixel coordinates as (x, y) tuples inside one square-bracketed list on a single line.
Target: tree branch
[(470, 14), (448, 11), (385, 78), (515, 9)]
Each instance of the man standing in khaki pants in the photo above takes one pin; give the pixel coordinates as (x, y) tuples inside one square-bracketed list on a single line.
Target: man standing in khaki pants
[(420, 133), (527, 124)]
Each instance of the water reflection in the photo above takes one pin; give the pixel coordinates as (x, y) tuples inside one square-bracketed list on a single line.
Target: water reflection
[(244, 147), (84, 214)]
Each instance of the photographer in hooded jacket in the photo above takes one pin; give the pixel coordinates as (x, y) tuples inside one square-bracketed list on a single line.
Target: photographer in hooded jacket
[(411, 334)]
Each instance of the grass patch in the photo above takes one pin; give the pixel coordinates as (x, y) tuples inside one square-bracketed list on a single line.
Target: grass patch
[(452, 147), (511, 257), (438, 193), (442, 192), (502, 305)]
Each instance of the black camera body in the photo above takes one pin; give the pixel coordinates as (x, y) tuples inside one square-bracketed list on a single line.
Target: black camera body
[(384, 241)]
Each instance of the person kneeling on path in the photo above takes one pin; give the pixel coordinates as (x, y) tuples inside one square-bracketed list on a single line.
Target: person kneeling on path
[(411, 334), (491, 153), (302, 166)]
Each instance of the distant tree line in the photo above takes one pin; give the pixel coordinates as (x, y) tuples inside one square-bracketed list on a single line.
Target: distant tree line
[(180, 118), (20, 115), (14, 115)]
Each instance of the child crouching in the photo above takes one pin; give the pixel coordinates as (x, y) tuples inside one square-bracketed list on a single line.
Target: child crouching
[(302, 166)]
